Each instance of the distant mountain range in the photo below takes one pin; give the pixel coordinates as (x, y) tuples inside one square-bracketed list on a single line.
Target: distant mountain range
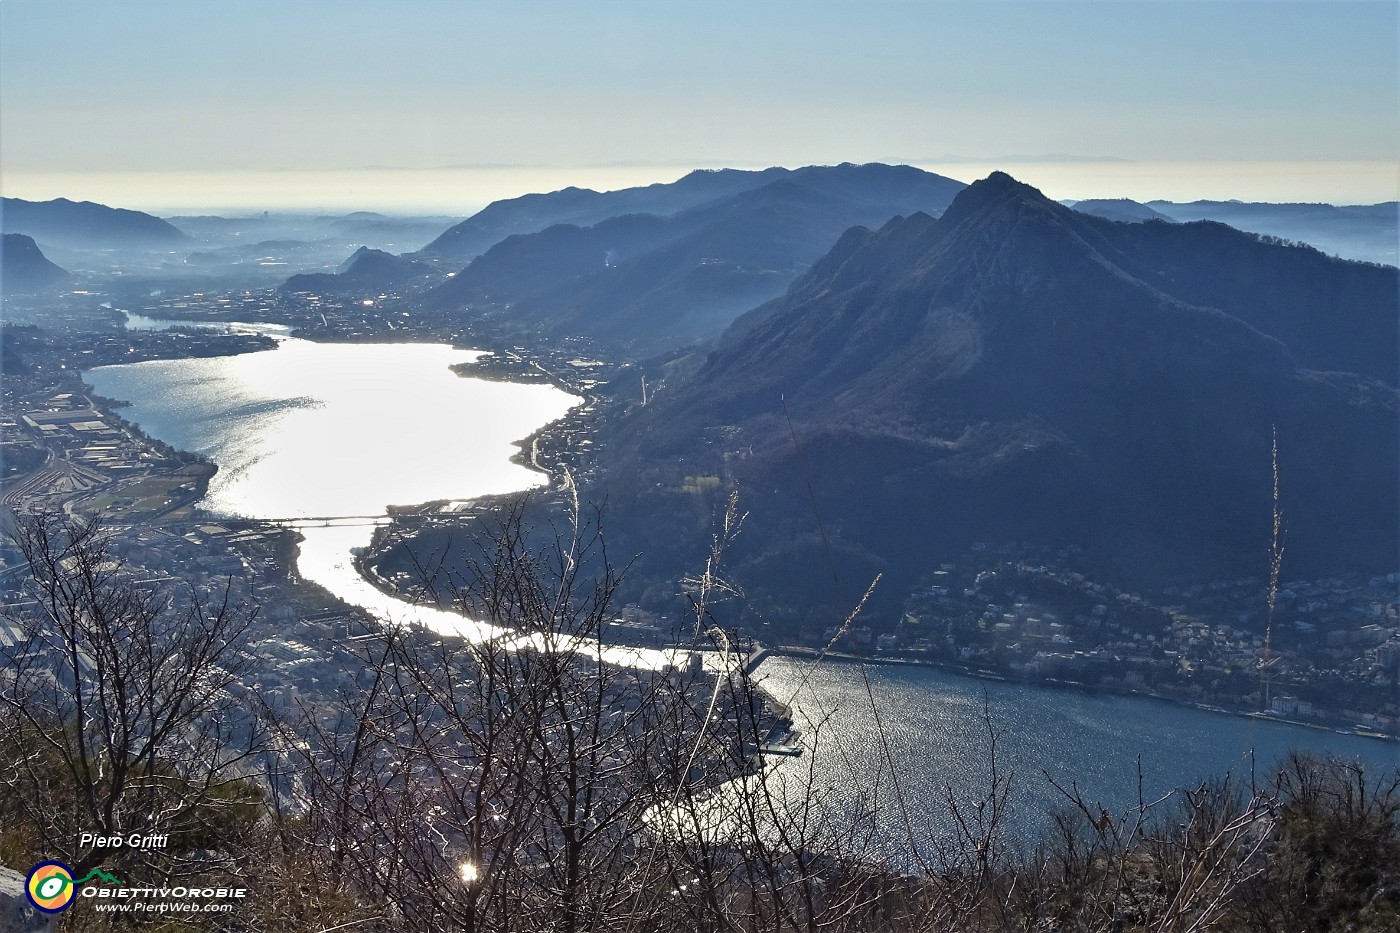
[(368, 228), (86, 225), (1364, 232), (584, 207), (24, 268), (1018, 371), (1123, 209), (643, 282)]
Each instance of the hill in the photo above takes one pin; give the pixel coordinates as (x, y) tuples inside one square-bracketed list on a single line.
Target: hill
[(642, 283), (24, 268), (87, 225), (1017, 371), (366, 268)]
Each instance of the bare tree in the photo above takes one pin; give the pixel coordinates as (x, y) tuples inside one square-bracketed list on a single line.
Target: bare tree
[(469, 784), (540, 779), (1171, 864), (1334, 861), (120, 711)]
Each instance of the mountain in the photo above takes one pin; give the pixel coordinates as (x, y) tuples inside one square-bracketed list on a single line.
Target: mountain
[(583, 207), (642, 283), (1018, 371), (529, 263), (366, 268), (24, 268), (86, 225), (1124, 209), (1365, 232)]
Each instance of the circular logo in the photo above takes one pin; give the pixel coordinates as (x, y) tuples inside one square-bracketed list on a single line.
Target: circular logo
[(50, 887)]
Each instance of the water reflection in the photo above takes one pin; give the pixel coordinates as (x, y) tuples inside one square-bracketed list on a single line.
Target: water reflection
[(937, 745), (342, 431)]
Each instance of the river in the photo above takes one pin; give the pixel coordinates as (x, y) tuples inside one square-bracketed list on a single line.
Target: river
[(341, 431)]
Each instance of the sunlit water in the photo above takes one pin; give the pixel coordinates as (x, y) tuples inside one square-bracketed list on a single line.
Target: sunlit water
[(336, 431), (935, 725), (329, 431)]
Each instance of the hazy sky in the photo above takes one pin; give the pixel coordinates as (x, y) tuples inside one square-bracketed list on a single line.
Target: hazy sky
[(422, 103)]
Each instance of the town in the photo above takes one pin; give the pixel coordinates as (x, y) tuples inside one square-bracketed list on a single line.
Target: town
[(1329, 656)]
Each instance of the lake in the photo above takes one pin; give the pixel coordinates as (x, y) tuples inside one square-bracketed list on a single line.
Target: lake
[(337, 433), (935, 725)]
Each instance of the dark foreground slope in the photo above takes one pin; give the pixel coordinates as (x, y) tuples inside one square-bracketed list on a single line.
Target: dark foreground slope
[(1015, 371), (647, 282), (24, 268)]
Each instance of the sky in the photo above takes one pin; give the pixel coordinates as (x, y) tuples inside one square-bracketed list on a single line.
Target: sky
[(441, 106)]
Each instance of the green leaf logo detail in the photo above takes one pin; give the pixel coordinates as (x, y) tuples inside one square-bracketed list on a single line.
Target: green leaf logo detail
[(99, 875)]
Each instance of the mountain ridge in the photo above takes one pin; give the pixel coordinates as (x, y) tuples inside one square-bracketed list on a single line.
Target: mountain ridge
[(998, 374), (584, 207), (1365, 232), (365, 266), (647, 282), (87, 224)]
